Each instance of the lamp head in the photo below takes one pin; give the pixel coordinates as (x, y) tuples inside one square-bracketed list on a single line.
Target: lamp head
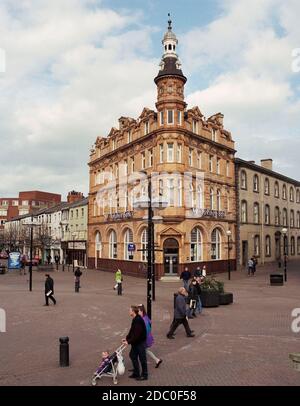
[(284, 231)]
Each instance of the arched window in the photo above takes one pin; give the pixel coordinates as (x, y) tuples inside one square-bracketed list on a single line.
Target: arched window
[(276, 189), (267, 214), (277, 216), (113, 253), (211, 199), (128, 239), (267, 186), (298, 219), (144, 243), (284, 218), (298, 245), (98, 245), (292, 218), (216, 244), (255, 183), (196, 245), (199, 197), (292, 195), (218, 200), (298, 196), (256, 213), (191, 195), (284, 192), (244, 212), (293, 246), (243, 180), (257, 245), (268, 246)]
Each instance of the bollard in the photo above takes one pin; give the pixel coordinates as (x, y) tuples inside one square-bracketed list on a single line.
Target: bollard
[(64, 351), (63, 267)]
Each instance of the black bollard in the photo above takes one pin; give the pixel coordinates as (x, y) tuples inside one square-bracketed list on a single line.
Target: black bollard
[(64, 352)]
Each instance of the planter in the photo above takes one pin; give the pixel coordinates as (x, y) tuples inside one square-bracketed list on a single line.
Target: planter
[(45, 268), (209, 298), (276, 279), (225, 298)]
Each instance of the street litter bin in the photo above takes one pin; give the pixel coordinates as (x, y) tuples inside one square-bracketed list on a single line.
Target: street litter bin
[(276, 279)]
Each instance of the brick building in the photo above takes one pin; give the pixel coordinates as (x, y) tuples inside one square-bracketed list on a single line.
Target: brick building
[(191, 160), (26, 202)]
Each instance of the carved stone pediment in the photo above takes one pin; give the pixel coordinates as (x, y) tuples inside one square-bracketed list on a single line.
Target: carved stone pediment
[(170, 231)]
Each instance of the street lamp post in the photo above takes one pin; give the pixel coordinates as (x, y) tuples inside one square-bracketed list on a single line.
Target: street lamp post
[(228, 257), (285, 248), (73, 235), (31, 225), (149, 251), (149, 204)]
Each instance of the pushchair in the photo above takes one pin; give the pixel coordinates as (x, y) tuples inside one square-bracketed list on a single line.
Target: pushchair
[(114, 368)]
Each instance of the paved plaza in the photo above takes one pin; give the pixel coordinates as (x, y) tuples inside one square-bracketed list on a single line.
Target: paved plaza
[(247, 343)]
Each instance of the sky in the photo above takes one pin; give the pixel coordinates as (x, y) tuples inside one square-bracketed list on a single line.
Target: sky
[(73, 67)]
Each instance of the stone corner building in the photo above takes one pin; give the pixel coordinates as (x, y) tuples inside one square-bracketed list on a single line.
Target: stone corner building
[(268, 203), (192, 161)]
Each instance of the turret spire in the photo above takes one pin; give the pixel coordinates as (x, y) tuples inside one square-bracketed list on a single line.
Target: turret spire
[(170, 64)]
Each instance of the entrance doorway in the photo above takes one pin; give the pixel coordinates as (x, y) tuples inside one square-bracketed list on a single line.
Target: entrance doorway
[(244, 253), (171, 255)]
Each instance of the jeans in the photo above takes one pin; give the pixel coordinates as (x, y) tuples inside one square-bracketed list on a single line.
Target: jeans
[(199, 305), (186, 285), (119, 289), (138, 353)]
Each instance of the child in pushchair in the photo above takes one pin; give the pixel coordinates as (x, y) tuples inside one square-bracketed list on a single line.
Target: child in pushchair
[(111, 365)]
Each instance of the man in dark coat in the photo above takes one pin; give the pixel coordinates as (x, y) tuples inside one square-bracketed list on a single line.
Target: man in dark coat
[(49, 290), (180, 315), (137, 338), (186, 276)]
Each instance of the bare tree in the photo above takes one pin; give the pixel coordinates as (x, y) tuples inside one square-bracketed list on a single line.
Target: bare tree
[(42, 238)]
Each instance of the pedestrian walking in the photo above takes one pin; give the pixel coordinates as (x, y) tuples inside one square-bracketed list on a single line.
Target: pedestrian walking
[(48, 259), (254, 261), (186, 276), (199, 281), (49, 290), (250, 267), (57, 261), (119, 280), (192, 299), (137, 337), (150, 339), (203, 273), (197, 272), (77, 275), (23, 265), (180, 315)]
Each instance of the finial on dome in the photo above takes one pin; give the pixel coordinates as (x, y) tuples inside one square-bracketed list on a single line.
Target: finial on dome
[(169, 22)]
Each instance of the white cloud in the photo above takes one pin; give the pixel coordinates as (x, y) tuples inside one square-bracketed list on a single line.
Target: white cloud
[(249, 46), (80, 71)]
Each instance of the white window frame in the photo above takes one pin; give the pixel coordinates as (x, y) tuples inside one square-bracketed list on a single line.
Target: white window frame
[(161, 117), (191, 153), (170, 114), (179, 153), (170, 152), (161, 153)]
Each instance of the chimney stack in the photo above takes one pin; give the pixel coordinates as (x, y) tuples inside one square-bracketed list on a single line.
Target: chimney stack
[(74, 196), (267, 164)]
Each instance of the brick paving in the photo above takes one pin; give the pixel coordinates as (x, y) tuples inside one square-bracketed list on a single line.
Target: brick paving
[(247, 343)]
